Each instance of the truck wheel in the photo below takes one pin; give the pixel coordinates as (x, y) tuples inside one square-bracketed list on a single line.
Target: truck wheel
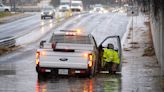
[(41, 75), (37, 69), (90, 73)]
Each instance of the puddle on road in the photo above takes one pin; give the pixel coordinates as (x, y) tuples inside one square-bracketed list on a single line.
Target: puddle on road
[(7, 72), (7, 69), (100, 83)]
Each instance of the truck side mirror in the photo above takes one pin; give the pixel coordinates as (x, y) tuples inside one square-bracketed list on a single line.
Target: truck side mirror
[(42, 44)]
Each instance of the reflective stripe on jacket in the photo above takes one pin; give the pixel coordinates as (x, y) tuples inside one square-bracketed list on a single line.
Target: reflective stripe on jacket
[(111, 55)]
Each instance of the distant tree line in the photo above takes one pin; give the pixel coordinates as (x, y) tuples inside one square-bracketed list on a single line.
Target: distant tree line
[(18, 2)]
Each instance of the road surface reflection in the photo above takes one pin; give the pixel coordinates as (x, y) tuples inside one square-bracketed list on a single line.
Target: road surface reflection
[(100, 83)]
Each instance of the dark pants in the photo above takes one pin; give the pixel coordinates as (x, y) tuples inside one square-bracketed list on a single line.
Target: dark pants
[(111, 67)]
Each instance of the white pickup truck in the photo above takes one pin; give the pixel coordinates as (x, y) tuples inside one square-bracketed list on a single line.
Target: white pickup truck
[(67, 53), (4, 8), (70, 53)]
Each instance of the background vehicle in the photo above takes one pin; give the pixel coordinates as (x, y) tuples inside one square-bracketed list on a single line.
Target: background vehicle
[(99, 8), (65, 2), (76, 6), (4, 8), (67, 53), (64, 8), (47, 12)]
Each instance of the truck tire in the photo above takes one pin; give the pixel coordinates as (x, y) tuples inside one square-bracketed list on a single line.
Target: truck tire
[(90, 73), (41, 75)]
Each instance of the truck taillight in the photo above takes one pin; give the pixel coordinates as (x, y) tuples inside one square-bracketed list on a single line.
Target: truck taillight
[(37, 61), (90, 57), (37, 54), (37, 57), (90, 60)]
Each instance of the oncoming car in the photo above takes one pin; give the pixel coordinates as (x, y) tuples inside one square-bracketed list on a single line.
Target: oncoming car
[(47, 12), (99, 9), (76, 6), (64, 8)]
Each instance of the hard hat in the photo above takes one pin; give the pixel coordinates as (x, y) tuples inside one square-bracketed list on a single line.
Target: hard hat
[(110, 46)]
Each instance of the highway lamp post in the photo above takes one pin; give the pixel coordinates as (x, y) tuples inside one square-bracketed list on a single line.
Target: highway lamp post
[(132, 11), (22, 2), (12, 4), (70, 3), (116, 2), (132, 25)]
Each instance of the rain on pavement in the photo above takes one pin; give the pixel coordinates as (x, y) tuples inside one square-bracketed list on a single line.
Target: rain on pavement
[(17, 69)]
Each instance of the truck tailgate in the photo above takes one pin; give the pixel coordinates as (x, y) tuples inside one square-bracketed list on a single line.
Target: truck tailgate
[(54, 59)]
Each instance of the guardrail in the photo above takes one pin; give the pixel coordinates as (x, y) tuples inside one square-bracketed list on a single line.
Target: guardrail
[(7, 42)]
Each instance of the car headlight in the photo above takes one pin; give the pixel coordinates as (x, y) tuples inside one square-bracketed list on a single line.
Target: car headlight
[(50, 13), (42, 13)]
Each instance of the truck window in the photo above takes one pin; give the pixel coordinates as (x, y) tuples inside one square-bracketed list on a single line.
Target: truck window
[(76, 39), (76, 4)]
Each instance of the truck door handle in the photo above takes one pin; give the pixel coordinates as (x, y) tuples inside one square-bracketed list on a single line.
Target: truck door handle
[(63, 59)]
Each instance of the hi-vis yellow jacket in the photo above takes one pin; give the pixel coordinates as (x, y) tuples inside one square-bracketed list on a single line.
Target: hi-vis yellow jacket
[(110, 55)]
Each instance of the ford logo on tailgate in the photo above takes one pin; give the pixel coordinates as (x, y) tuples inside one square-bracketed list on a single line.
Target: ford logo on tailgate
[(63, 59)]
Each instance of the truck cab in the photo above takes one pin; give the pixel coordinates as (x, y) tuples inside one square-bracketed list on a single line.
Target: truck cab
[(76, 6), (4, 8)]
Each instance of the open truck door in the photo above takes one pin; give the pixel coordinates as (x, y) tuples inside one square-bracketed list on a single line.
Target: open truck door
[(115, 40)]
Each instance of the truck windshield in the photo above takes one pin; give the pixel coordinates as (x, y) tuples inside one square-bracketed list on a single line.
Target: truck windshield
[(71, 39), (47, 9)]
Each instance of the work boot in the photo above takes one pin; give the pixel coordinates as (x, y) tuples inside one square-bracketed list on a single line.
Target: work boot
[(114, 68)]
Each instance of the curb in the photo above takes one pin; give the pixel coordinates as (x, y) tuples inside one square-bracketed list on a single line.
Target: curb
[(126, 33)]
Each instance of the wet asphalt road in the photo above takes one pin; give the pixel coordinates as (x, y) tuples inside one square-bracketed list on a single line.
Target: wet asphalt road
[(22, 26), (17, 69)]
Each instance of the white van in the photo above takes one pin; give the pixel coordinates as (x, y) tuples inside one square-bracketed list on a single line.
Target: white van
[(76, 6)]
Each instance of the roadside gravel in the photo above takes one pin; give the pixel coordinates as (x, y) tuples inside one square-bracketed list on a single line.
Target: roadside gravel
[(14, 17)]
